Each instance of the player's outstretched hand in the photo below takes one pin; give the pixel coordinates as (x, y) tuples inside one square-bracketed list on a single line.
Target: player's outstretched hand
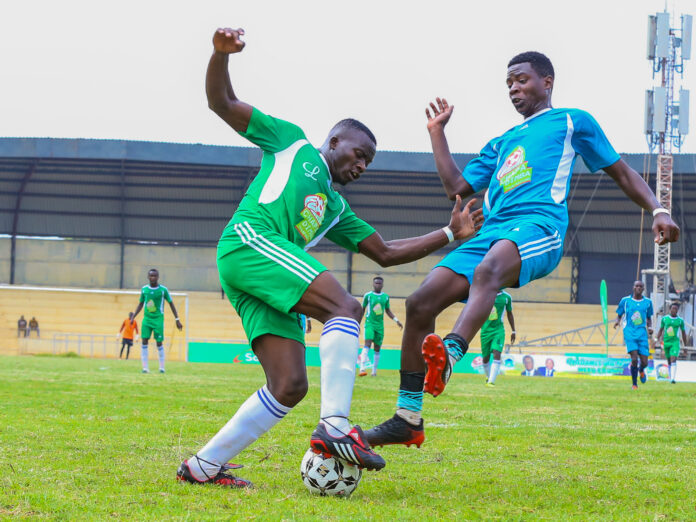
[(228, 40), (665, 230), (179, 325), (441, 113), (465, 223)]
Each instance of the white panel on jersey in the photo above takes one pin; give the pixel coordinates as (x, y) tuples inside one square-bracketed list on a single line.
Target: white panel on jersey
[(278, 178), (560, 182)]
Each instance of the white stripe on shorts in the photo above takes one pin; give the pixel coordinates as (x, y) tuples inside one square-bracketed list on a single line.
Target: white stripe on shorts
[(531, 243), (555, 246), (541, 246)]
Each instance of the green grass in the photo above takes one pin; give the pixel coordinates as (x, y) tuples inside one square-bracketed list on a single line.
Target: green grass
[(95, 439)]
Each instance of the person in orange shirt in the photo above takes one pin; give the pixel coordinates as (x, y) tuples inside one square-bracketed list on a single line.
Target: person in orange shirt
[(128, 327)]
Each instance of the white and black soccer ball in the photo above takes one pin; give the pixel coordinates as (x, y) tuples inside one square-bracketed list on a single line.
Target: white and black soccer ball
[(329, 476)]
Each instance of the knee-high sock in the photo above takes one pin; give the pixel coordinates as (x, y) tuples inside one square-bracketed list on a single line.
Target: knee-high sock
[(256, 416), (364, 358), (143, 356), (495, 368), (487, 369), (128, 351), (160, 350), (673, 371), (338, 349), (375, 363), (634, 374)]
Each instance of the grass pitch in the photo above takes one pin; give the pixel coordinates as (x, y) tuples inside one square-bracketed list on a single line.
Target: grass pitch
[(95, 439)]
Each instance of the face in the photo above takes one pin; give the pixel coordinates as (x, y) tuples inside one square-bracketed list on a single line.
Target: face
[(153, 276), (350, 153), (528, 363), (638, 288), (528, 91), (549, 364), (673, 310), (377, 285)]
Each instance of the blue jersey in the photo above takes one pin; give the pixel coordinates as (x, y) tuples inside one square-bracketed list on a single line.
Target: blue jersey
[(637, 312), (527, 170)]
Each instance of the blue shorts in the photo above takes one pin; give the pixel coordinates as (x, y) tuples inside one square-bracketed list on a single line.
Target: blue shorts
[(638, 344), (540, 248)]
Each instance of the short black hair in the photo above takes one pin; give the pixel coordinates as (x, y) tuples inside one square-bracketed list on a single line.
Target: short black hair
[(674, 304), (153, 270), (378, 277), (539, 62), (350, 123)]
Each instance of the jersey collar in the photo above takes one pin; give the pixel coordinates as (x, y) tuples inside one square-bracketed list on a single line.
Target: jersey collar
[(537, 114), (329, 180)]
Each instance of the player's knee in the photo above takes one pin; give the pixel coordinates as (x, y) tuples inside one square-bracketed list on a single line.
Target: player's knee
[(487, 274), (418, 308), (291, 390), (350, 307)]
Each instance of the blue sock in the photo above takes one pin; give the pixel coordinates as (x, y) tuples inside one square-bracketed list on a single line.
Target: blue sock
[(634, 375), (411, 391), (456, 346)]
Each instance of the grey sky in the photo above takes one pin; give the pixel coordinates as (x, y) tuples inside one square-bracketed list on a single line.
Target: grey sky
[(135, 69)]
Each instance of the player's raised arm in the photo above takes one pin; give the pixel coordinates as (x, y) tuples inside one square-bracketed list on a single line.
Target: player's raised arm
[(447, 169), (218, 87), (463, 224), (633, 185)]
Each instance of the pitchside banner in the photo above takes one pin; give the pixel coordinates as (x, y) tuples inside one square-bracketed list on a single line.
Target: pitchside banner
[(529, 365)]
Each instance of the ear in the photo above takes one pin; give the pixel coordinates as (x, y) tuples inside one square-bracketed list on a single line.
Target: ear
[(548, 83), (333, 142)]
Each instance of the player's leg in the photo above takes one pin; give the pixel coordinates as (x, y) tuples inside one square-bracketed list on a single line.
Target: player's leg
[(365, 355), (486, 342), (633, 354), (283, 361), (673, 354), (643, 353), (146, 333), (128, 348), (495, 367), (375, 363), (123, 345), (159, 339)]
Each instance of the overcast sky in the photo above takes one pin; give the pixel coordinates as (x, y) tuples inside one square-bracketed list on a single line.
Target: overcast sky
[(135, 69)]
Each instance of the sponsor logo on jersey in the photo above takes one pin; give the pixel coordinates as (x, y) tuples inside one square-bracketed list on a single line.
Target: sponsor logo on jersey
[(514, 171), (313, 214), (311, 170)]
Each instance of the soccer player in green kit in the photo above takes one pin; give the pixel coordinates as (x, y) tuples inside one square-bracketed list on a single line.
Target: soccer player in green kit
[(669, 328), (152, 298), (375, 305), (493, 336), (269, 277)]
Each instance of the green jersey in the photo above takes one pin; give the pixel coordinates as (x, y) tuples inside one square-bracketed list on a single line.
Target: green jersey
[(292, 194), (375, 306), (503, 302), (153, 303), (670, 328)]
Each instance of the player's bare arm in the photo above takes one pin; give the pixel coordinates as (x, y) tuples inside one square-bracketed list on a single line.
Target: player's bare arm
[(447, 169), (136, 312), (633, 185), (218, 86), (617, 322), (176, 316), (463, 224), (393, 318), (511, 320)]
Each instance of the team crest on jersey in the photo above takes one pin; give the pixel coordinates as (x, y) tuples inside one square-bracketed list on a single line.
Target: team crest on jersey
[(313, 214), (514, 171)]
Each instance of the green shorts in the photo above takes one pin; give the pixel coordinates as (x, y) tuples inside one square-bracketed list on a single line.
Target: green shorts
[(671, 349), (149, 328), (376, 335), (492, 341), (264, 278)]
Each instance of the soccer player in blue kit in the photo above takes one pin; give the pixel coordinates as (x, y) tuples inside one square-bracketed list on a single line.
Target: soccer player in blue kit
[(527, 172), (638, 311)]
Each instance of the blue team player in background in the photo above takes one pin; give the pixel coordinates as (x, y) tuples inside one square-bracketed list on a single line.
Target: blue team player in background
[(527, 171), (638, 311)]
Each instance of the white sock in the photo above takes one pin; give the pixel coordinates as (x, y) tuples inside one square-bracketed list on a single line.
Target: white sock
[(495, 368), (374, 363), (673, 371), (338, 349), (256, 416), (143, 356), (364, 358), (160, 349), (487, 369)]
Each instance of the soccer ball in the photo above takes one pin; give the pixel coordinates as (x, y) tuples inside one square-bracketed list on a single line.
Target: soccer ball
[(329, 476)]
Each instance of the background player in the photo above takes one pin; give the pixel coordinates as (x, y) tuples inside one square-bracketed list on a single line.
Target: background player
[(375, 305), (493, 335), (669, 327), (527, 171), (129, 329), (152, 297), (638, 311), (269, 277)]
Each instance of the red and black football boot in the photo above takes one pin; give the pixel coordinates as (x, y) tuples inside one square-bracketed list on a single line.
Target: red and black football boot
[(396, 431), (352, 447), (438, 363), (221, 479)]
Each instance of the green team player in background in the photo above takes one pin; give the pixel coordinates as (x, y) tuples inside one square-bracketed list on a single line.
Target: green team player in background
[(375, 305), (152, 298), (669, 328), (269, 277), (493, 336)]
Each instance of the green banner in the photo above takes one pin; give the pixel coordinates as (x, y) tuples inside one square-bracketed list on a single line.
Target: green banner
[(242, 354), (605, 313)]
